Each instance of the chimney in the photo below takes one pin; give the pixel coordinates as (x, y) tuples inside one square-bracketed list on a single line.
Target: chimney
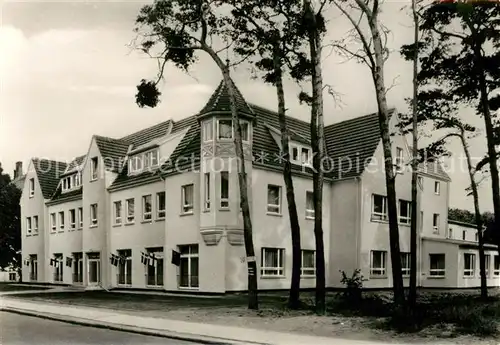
[(19, 170)]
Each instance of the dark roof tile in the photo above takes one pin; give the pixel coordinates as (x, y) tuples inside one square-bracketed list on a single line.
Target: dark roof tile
[(48, 173), (220, 102), (112, 151)]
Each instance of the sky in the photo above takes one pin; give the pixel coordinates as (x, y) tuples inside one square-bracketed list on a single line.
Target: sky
[(67, 72)]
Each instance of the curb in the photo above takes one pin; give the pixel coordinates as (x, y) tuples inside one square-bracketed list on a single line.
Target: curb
[(201, 339)]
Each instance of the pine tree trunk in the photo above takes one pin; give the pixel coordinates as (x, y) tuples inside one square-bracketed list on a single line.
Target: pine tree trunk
[(318, 147), (293, 300), (384, 117), (479, 220), (412, 297), (253, 302)]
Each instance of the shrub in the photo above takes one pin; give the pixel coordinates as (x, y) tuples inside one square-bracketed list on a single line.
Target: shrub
[(354, 286)]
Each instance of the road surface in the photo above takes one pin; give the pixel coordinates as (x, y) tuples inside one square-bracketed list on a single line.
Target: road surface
[(18, 329)]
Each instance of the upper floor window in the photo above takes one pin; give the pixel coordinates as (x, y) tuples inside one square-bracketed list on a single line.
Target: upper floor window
[(147, 207), (28, 226), (143, 160), (208, 130), (71, 182), (225, 130), (379, 207), (72, 219), (464, 235), (224, 189), (273, 199), (309, 205), (80, 217), (187, 198), (435, 223), (404, 212), (61, 220), (118, 212), (160, 205), (53, 222), (399, 159), (421, 182), (32, 187), (35, 224), (437, 265), (450, 233), (300, 154), (469, 264), (93, 214), (207, 191), (487, 259), (476, 237), (94, 168), (437, 187), (130, 203)]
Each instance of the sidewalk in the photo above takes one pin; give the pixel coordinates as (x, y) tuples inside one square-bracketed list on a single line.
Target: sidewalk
[(197, 332)]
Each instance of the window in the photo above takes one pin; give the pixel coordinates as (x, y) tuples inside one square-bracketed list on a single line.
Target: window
[(487, 264), (160, 205), (421, 182), (405, 264), (35, 224), (476, 237), (379, 207), (224, 189), (125, 267), (294, 153), (28, 226), (469, 264), (130, 210), (435, 223), (32, 187), (189, 266), (421, 220), (53, 223), (94, 165), (245, 133), (147, 207), (224, 129), (305, 155), (77, 268), (404, 212), (308, 266), (150, 159), (57, 261), (118, 212), (399, 160), (272, 262), (437, 265), (135, 164), (299, 154), (309, 205), (496, 265), (80, 217), (187, 198), (72, 219), (208, 131), (273, 199), (437, 187), (154, 273), (93, 215), (464, 235), (378, 263), (33, 267), (12, 276), (207, 191), (61, 220), (450, 233)]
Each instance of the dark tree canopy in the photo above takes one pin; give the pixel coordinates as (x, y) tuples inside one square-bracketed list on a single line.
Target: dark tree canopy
[(10, 221)]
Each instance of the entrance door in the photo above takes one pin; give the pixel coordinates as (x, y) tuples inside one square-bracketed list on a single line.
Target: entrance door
[(94, 268)]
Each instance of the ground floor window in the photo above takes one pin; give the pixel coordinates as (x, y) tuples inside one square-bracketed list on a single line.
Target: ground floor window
[(487, 265), (94, 268), (469, 264), (378, 263), (496, 265), (272, 262), (154, 271), (12, 276), (33, 267), (308, 266), (405, 264), (437, 265), (189, 266), (77, 268), (125, 267), (57, 263)]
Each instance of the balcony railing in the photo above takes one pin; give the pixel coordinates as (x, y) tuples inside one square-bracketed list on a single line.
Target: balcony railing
[(188, 281)]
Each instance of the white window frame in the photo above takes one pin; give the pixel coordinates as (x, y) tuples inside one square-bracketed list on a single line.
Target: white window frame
[(469, 272), (299, 160), (405, 270), (310, 212), (487, 264), (218, 130), (435, 228), (307, 272), (93, 215), (206, 201), (94, 168), (378, 271), (147, 216), (189, 256), (399, 159), (28, 226), (187, 208), (80, 217), (377, 216), (117, 219), (405, 220), (437, 187), (130, 216), (127, 262), (137, 159), (161, 213), (159, 255), (265, 269), (208, 124), (476, 237), (32, 187), (35, 225), (496, 265), (72, 222), (53, 222), (61, 221), (421, 182), (244, 138), (224, 201), (274, 208), (437, 272)]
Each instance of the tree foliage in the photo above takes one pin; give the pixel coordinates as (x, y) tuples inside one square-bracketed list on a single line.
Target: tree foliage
[(10, 222)]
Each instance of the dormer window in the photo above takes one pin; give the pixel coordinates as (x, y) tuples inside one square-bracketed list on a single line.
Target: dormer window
[(71, 182), (225, 130), (300, 154), (208, 131), (143, 160)]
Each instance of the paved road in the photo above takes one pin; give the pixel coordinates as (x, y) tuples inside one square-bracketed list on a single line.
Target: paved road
[(18, 329)]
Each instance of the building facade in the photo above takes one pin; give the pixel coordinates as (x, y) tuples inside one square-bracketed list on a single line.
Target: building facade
[(159, 208)]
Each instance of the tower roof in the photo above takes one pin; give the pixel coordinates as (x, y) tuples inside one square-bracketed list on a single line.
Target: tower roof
[(219, 102)]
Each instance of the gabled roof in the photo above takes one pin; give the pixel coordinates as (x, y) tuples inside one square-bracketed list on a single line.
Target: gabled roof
[(146, 135), (68, 196), (434, 168), (112, 151), (48, 173), (219, 102), (74, 164)]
